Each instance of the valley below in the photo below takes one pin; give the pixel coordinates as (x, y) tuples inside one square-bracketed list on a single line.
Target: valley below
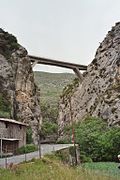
[(60, 108)]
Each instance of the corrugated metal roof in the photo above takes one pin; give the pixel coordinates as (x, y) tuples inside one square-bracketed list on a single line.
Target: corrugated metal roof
[(13, 121)]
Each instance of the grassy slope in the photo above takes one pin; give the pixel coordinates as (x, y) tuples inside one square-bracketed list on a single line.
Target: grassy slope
[(52, 84), (51, 169)]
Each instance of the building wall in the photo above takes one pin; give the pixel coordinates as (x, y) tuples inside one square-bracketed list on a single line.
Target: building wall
[(11, 130)]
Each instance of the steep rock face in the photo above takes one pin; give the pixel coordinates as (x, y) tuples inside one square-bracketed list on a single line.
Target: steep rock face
[(99, 93), (17, 86)]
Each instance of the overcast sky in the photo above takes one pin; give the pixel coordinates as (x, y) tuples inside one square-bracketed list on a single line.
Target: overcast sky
[(68, 30)]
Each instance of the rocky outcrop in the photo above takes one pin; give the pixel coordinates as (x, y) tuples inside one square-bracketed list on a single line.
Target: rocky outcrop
[(99, 93), (17, 86)]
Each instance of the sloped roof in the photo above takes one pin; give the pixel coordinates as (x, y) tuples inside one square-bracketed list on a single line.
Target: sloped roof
[(10, 139), (13, 121)]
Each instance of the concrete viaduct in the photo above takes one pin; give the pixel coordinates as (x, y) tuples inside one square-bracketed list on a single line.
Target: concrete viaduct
[(75, 67)]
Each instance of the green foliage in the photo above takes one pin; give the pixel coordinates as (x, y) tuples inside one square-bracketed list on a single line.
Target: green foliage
[(5, 107), (84, 158), (97, 140), (63, 155), (51, 85), (49, 124), (27, 149), (63, 141), (72, 150), (9, 44), (49, 112), (50, 168), (49, 128), (110, 168), (29, 135), (52, 156), (4, 114), (69, 89)]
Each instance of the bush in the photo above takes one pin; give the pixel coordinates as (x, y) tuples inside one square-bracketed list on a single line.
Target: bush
[(63, 141), (97, 140), (84, 158), (27, 149), (63, 155), (49, 128)]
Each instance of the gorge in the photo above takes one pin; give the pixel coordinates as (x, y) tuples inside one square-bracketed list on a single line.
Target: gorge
[(99, 93)]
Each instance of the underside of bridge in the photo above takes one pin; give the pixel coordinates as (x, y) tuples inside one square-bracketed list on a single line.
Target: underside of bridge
[(75, 67)]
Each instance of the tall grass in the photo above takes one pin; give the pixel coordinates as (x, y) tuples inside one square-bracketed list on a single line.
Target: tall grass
[(49, 169)]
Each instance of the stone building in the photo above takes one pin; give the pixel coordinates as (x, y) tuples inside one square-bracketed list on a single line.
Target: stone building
[(12, 135)]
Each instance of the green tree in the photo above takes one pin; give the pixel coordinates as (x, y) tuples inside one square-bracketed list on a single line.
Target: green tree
[(96, 139), (5, 106), (49, 128)]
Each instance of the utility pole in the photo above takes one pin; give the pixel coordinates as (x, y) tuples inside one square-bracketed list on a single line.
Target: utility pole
[(39, 139), (6, 157), (73, 131), (39, 144), (25, 155), (1, 146)]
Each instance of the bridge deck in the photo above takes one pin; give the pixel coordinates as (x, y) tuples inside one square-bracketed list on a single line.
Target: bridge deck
[(46, 61)]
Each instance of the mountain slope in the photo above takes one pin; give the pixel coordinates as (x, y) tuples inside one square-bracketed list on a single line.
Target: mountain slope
[(52, 84), (19, 96), (99, 93)]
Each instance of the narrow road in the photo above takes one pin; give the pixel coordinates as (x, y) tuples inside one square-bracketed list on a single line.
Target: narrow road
[(45, 149)]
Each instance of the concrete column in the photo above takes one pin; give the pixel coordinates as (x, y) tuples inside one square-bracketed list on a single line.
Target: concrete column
[(34, 63), (78, 74)]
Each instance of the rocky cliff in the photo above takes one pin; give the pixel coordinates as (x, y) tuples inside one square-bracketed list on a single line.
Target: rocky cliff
[(99, 93), (18, 93)]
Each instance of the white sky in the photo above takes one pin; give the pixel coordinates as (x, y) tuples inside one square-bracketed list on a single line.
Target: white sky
[(68, 30)]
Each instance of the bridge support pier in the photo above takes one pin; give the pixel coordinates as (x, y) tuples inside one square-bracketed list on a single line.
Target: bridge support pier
[(34, 63), (78, 74)]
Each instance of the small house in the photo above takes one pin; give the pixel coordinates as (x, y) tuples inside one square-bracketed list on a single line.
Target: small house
[(12, 135)]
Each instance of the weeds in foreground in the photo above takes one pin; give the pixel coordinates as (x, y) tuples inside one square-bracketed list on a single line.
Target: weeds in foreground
[(51, 169)]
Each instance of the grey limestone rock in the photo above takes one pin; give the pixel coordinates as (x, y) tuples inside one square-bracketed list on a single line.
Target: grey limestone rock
[(17, 83), (99, 93)]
